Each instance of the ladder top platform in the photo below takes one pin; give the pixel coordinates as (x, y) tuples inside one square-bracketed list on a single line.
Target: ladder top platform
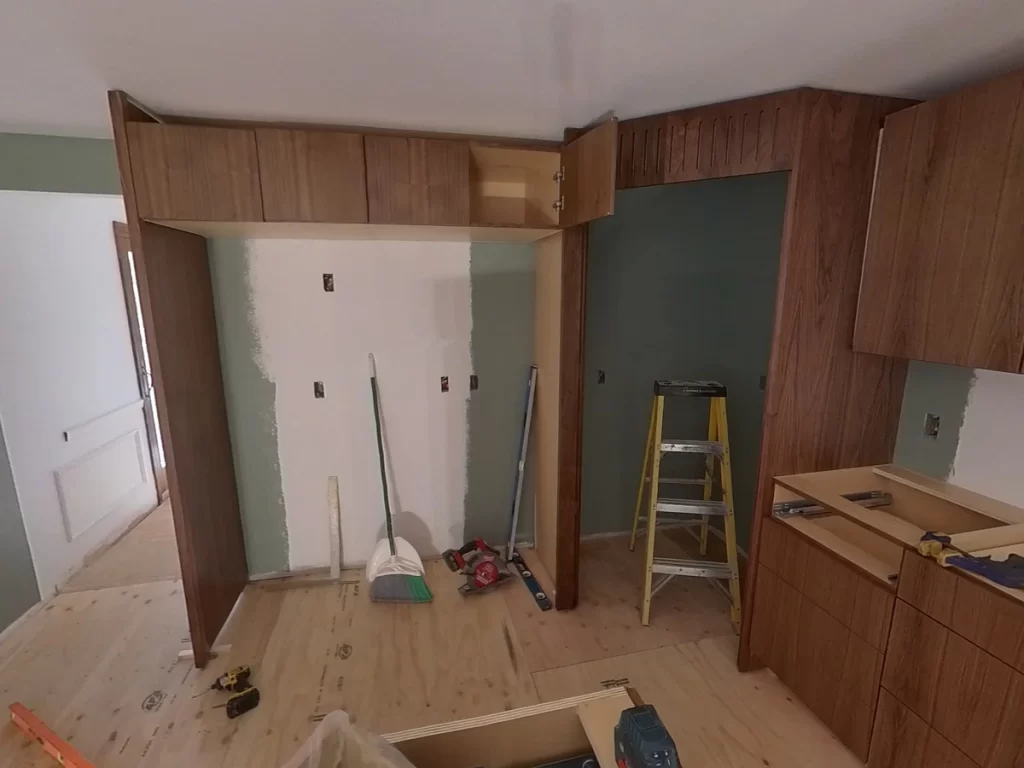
[(677, 388)]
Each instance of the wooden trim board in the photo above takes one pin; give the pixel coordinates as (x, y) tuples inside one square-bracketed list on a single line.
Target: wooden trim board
[(299, 230), (527, 736), (976, 502)]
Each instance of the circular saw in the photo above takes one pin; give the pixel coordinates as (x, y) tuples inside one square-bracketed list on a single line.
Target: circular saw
[(480, 563)]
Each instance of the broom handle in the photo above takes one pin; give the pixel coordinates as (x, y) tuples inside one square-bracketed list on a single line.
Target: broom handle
[(380, 454)]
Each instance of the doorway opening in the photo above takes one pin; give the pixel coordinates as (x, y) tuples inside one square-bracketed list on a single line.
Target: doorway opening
[(680, 285)]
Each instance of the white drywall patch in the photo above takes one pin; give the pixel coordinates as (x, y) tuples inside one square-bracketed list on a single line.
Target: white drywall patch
[(409, 304), (66, 360), (989, 457)]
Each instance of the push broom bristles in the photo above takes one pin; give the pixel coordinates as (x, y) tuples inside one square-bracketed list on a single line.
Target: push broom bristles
[(400, 588)]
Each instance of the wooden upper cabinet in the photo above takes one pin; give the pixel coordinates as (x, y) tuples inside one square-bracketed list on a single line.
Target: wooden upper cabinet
[(195, 173), (588, 175), (417, 181), (312, 176), (943, 276), (741, 137)]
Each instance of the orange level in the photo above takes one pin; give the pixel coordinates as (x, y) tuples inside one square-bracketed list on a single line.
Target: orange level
[(52, 744)]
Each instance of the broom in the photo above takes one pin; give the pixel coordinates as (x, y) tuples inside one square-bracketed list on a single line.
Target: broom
[(395, 571)]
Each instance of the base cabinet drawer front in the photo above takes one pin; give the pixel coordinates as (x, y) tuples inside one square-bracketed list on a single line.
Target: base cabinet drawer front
[(901, 739), (974, 689), (855, 600), (831, 670), (990, 620), (914, 659), (928, 586)]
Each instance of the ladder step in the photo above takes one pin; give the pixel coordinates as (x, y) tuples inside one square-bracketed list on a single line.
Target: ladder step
[(702, 568), (669, 388), (681, 481), (707, 447), (691, 507)]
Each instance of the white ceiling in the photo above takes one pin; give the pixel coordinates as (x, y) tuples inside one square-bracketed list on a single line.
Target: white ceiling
[(511, 67)]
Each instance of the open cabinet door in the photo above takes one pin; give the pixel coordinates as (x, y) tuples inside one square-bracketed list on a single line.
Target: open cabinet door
[(176, 298), (588, 175)]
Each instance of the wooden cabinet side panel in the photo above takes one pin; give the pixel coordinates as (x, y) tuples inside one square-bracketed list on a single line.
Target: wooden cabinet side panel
[(312, 176), (195, 173)]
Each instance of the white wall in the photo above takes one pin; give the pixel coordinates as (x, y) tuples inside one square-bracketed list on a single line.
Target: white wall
[(67, 360), (409, 304), (990, 454)]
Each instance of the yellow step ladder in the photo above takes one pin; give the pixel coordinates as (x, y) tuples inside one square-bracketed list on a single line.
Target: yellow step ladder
[(661, 509)]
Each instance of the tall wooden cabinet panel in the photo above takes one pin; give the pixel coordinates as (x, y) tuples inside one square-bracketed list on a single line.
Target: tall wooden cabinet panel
[(417, 181), (195, 173), (943, 279), (588, 175), (312, 176)]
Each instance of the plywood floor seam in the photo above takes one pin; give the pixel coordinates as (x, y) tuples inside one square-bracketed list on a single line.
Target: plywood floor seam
[(100, 667)]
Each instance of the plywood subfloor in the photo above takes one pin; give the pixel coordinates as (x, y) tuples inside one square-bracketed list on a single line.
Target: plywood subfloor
[(607, 620), (101, 668), (145, 554), (717, 716)]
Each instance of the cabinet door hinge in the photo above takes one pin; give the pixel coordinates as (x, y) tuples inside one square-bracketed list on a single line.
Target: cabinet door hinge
[(559, 204), (559, 175)]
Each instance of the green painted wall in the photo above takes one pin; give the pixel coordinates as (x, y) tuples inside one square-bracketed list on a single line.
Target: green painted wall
[(938, 389), (680, 284), (502, 300), (20, 590), (251, 417), (58, 164)]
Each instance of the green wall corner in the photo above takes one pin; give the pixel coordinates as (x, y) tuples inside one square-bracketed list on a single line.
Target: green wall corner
[(941, 390), (501, 345), (252, 421)]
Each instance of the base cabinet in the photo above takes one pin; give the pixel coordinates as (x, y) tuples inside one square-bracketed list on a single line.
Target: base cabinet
[(831, 666)]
